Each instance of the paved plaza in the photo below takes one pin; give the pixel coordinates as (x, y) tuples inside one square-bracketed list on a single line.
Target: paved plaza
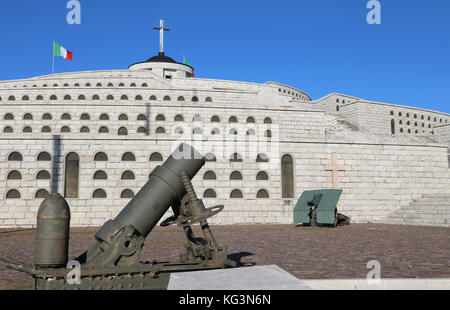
[(306, 253)]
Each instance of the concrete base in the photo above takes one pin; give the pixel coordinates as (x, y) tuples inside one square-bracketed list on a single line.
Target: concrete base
[(247, 278), (274, 278)]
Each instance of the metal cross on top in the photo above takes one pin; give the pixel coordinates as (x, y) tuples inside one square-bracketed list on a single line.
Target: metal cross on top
[(335, 168), (161, 29)]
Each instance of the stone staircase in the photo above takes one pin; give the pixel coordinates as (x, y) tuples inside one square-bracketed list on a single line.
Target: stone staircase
[(430, 210)]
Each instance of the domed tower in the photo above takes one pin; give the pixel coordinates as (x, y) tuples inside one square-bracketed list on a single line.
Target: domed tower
[(163, 65)]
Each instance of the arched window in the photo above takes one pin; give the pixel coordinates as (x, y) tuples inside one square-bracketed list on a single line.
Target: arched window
[(27, 129), (121, 85), (144, 85), (251, 132), (8, 117), (251, 120), (46, 129), (81, 97), (209, 193), (39, 98), (110, 97), (128, 175), (215, 131), (210, 157), (47, 117), (99, 84), (12, 98), (85, 117), (267, 120), (123, 117), (14, 175), (179, 131), (153, 98), (25, 98), (160, 117), (236, 194), (233, 119), (41, 194), (233, 132), (99, 194), (65, 129), (156, 157), (142, 130), (88, 85), (8, 129), (179, 118), (393, 127), (141, 117), (104, 117), (262, 158), (262, 176), (287, 176), (100, 175), (337, 108), (160, 130), (262, 194), (181, 98), (123, 131), (236, 175), (268, 134), (195, 99), (236, 157), (28, 117), (103, 129), (208, 99), (15, 156), (127, 194), (13, 194), (53, 98), (124, 97), (66, 117), (133, 85), (72, 174), (67, 97), (197, 118), (43, 175), (44, 156), (128, 156), (210, 175), (96, 97), (166, 98), (100, 156), (215, 119), (84, 129), (110, 85), (138, 98)]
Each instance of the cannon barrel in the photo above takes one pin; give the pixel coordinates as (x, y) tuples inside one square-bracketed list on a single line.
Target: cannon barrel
[(164, 188)]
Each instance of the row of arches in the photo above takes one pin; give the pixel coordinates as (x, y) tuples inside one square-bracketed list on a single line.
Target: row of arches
[(68, 117), (129, 156), (236, 175), (128, 194), (108, 98), (140, 117)]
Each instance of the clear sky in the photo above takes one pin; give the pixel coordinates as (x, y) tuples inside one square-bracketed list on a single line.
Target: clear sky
[(319, 46)]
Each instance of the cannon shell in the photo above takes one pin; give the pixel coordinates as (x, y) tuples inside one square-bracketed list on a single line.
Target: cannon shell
[(52, 233)]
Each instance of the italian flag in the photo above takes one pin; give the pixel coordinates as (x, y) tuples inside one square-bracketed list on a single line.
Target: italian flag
[(58, 50)]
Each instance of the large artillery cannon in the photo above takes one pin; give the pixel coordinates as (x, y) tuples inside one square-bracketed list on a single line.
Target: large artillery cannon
[(113, 261)]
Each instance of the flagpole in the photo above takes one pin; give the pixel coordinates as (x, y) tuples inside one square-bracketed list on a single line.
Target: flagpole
[(53, 53)]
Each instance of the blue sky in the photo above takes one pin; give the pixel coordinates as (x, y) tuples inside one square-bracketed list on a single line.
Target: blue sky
[(318, 46)]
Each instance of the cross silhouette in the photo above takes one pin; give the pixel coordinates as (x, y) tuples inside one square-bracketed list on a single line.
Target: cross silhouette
[(335, 168)]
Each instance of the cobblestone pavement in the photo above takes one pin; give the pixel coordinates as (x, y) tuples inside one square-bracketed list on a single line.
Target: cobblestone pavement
[(305, 252)]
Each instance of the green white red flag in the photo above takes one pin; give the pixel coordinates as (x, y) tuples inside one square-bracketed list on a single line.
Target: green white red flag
[(58, 50)]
